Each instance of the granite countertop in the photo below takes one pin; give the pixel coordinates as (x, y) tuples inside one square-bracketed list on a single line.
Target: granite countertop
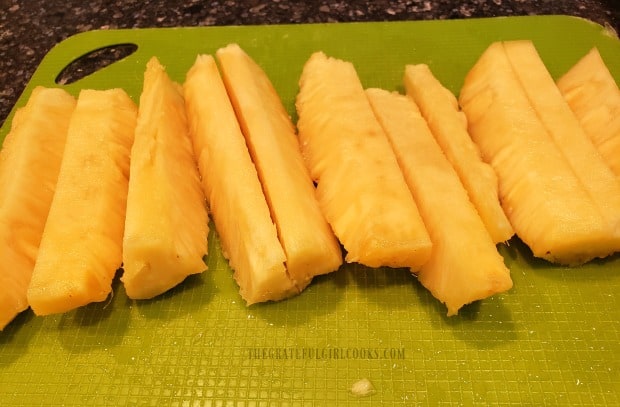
[(29, 29)]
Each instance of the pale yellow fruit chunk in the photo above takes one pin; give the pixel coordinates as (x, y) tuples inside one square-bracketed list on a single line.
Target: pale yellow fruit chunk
[(29, 165), (81, 246), (449, 127), (588, 165), (545, 202), (453, 275), (309, 244), (361, 189), (594, 98), (166, 226), (248, 236)]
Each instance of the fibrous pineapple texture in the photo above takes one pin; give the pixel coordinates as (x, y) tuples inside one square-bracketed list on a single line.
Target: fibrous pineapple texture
[(449, 127), (546, 203), (453, 274), (594, 97), (166, 226), (595, 176), (29, 165), (81, 246), (239, 209), (361, 189), (308, 242)]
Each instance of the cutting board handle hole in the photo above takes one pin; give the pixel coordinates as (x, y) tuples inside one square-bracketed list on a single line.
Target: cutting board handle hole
[(93, 61)]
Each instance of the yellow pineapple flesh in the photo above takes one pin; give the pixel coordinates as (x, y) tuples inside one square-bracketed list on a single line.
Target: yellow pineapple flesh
[(361, 189), (29, 165), (545, 202), (81, 245), (452, 274), (238, 206), (449, 127), (587, 163), (166, 224), (308, 242), (594, 97)]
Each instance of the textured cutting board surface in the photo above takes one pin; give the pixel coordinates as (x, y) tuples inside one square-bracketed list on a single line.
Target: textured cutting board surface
[(554, 339)]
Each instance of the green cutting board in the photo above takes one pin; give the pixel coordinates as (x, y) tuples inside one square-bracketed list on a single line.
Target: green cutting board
[(552, 340)]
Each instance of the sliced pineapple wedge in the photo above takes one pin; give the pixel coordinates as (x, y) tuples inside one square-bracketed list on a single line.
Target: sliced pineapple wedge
[(166, 225), (81, 245), (452, 274), (547, 205), (238, 206), (587, 163), (29, 165), (594, 97), (309, 244), (361, 189), (449, 127)]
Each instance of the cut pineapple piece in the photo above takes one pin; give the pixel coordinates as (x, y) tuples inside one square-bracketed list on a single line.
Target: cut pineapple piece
[(239, 209), (361, 189), (595, 176), (309, 244), (81, 245), (449, 127), (166, 225), (452, 274), (594, 98), (545, 202), (29, 164)]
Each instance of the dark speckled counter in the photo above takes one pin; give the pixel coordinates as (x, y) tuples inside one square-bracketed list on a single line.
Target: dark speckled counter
[(29, 29)]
